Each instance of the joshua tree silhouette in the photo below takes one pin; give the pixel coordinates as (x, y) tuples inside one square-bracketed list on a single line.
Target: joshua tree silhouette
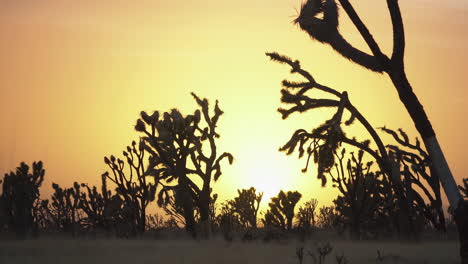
[(177, 146), (246, 206), (325, 30), (281, 210), (133, 188), (306, 215), (20, 196), (324, 141), (64, 210)]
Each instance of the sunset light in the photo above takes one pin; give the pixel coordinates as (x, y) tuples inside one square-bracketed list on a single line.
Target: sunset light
[(233, 82)]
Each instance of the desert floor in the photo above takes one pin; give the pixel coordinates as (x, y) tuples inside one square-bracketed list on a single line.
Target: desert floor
[(102, 251)]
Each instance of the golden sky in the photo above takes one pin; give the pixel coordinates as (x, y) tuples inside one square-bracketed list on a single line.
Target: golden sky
[(74, 76)]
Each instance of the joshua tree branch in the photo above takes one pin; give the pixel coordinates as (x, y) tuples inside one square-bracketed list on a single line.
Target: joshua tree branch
[(398, 32), (374, 47)]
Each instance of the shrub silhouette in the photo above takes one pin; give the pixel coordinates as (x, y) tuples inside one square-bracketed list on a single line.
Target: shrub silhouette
[(20, 197), (281, 210)]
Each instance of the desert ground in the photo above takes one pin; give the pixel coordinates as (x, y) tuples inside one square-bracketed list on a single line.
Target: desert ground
[(219, 251)]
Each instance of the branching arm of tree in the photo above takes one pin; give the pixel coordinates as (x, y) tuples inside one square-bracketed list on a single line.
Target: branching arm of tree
[(325, 30)]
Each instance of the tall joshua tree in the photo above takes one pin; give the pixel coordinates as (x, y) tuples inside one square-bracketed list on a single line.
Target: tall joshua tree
[(319, 18), (183, 149)]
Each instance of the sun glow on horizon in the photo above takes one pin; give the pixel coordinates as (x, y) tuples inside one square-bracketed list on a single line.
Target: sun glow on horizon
[(268, 174)]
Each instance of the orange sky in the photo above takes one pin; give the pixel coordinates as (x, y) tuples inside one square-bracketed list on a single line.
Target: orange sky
[(74, 76)]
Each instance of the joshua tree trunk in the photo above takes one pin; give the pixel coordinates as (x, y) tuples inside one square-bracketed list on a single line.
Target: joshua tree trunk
[(187, 205), (439, 163), (205, 223), (424, 127)]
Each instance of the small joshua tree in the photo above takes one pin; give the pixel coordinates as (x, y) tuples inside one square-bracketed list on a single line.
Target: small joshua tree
[(281, 210), (64, 210), (103, 210), (246, 206), (228, 221), (360, 189), (306, 215), (133, 187), (20, 195), (93, 203), (328, 217), (178, 152)]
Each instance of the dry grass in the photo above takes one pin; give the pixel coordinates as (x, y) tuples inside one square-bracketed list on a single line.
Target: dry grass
[(214, 251)]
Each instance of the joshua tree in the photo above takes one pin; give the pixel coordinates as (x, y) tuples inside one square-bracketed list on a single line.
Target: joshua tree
[(327, 217), (178, 147), (281, 210), (103, 210), (246, 206), (133, 188), (306, 216), (20, 195), (93, 204), (319, 18), (64, 210), (228, 221), (360, 198), (324, 141)]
